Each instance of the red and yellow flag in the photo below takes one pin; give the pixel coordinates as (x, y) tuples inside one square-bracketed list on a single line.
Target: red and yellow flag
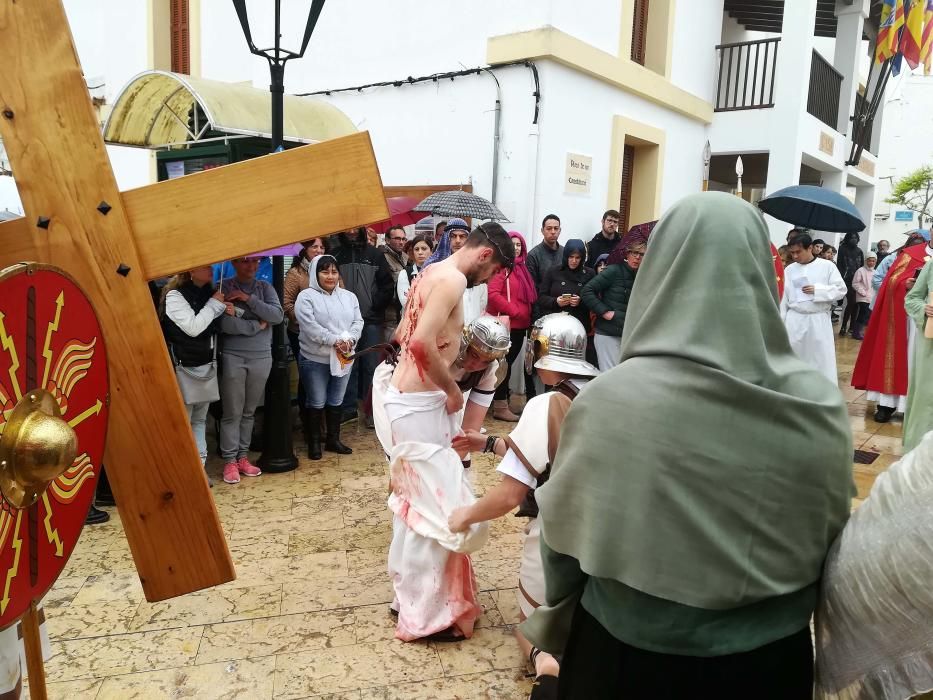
[(889, 31), (926, 45), (912, 41)]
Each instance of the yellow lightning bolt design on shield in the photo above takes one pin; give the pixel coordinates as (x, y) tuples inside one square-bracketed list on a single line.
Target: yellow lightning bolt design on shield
[(50, 532), (11, 572), (81, 417), (6, 342), (53, 326)]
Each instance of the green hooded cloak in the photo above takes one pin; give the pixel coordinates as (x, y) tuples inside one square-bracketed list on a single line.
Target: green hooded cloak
[(712, 468)]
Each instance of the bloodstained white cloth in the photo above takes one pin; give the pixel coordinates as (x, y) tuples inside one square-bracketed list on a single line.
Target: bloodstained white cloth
[(874, 625), (435, 587)]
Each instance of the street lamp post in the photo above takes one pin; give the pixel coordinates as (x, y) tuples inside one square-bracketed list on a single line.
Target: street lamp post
[(278, 454)]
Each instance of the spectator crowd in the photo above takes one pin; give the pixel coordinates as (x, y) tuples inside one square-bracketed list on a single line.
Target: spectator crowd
[(345, 293)]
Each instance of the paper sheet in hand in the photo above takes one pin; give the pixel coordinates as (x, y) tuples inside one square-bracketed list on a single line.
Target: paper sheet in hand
[(798, 283)]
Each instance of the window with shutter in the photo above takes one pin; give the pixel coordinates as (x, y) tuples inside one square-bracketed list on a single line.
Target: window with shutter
[(639, 31), (181, 50), (625, 196)]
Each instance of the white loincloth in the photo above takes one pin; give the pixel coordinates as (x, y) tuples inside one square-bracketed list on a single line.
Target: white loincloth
[(874, 637), (435, 587)]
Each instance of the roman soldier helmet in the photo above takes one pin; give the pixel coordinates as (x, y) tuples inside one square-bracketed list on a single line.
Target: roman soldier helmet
[(487, 336), (558, 343)]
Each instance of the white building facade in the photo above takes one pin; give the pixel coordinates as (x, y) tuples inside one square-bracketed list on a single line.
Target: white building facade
[(580, 107), (907, 144)]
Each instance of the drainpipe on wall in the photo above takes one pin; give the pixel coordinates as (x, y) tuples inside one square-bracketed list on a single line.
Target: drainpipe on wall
[(532, 186), (496, 137)]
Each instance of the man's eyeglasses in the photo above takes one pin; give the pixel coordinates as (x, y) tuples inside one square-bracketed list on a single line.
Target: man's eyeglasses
[(396, 238), (635, 254)]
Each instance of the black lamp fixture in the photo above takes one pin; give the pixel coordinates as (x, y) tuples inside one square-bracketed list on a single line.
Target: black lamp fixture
[(278, 454)]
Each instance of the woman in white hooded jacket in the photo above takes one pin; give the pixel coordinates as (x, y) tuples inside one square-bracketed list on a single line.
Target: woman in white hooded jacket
[(329, 320)]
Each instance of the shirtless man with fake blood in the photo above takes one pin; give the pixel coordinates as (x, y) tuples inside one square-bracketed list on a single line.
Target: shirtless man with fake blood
[(431, 572)]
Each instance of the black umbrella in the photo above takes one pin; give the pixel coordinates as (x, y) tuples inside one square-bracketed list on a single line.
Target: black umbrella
[(460, 203), (813, 207)]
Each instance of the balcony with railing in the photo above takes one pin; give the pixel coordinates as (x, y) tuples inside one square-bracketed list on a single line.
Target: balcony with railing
[(825, 86), (746, 80), (746, 75)]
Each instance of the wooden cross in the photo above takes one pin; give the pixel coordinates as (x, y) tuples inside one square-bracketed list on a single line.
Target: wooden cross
[(113, 243)]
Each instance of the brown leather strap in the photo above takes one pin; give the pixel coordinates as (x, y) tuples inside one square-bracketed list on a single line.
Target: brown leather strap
[(16, 693), (556, 412), (531, 601)]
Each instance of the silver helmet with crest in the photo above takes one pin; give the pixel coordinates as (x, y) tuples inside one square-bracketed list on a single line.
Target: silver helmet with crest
[(487, 337), (558, 343)]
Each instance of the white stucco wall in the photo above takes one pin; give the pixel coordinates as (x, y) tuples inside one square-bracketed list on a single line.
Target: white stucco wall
[(367, 41), (698, 28), (584, 125), (443, 133)]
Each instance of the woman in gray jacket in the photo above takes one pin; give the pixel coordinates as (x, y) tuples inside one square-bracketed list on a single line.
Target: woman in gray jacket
[(329, 320)]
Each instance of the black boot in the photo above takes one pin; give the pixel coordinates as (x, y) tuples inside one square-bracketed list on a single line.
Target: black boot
[(104, 494), (311, 418), (883, 414), (333, 414), (96, 516)]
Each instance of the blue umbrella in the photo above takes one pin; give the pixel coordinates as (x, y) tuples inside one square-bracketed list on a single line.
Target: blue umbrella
[(815, 208)]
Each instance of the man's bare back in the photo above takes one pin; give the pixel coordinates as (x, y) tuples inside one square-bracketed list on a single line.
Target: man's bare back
[(430, 331)]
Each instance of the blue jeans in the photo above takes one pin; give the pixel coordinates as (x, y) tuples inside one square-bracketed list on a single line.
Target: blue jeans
[(361, 377), (321, 388)]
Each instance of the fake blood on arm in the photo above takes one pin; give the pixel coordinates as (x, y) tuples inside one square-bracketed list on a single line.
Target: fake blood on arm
[(420, 356)]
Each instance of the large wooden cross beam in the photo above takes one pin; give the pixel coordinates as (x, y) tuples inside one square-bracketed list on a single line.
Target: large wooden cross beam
[(111, 243)]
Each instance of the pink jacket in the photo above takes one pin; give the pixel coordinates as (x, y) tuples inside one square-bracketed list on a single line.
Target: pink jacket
[(861, 283), (503, 301)]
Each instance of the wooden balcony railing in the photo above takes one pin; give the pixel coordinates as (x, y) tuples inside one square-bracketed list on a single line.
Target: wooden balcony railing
[(746, 75), (825, 86)]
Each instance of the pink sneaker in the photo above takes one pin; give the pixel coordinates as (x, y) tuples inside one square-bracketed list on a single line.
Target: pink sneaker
[(231, 473), (247, 469)]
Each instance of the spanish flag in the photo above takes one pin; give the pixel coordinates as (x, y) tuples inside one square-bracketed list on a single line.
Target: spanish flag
[(926, 46), (913, 31)]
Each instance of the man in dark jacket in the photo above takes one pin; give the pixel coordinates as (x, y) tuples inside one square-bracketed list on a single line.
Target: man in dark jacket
[(606, 239), (394, 252), (365, 272), (849, 260), (548, 253)]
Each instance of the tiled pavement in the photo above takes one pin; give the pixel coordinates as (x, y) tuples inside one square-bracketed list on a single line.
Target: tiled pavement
[(307, 615)]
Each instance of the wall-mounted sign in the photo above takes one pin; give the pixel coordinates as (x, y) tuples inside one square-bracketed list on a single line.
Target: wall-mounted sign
[(903, 216), (578, 174), (827, 143)]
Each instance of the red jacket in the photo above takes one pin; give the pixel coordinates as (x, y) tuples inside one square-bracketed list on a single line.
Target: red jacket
[(503, 302)]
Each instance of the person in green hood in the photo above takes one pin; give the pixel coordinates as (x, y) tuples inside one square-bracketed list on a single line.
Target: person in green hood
[(698, 485)]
